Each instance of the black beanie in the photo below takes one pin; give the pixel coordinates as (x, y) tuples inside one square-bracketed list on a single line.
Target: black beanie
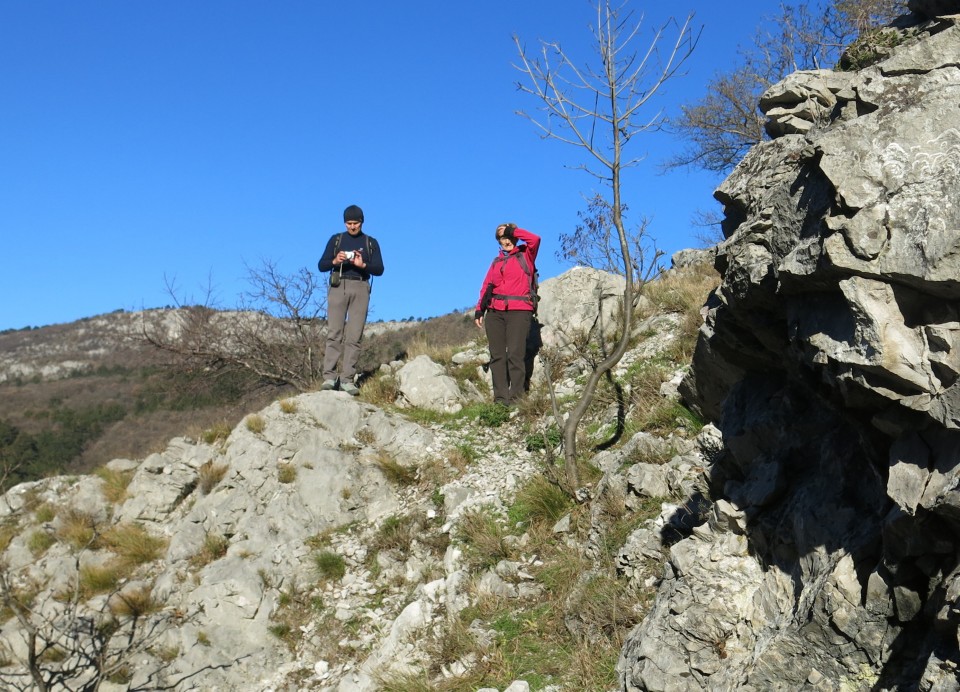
[(353, 213)]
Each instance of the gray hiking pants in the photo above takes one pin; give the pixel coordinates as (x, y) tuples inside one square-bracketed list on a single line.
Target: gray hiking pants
[(346, 316)]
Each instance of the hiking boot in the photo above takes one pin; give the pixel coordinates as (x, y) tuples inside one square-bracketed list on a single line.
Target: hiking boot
[(350, 388), (328, 385)]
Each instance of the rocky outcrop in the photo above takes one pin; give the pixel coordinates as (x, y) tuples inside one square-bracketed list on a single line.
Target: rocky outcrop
[(824, 551), (287, 474)]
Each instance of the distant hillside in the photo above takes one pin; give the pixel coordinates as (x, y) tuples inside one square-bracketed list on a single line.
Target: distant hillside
[(74, 396)]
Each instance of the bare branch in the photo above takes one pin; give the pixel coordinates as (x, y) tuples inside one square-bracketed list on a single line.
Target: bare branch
[(614, 96), (277, 334), (725, 123)]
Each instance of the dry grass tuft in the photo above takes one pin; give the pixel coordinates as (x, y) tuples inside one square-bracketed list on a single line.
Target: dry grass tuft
[(421, 346), (135, 602), (114, 483), (133, 544), (395, 471), (435, 473), (210, 475), (683, 291), (540, 501), (256, 424), (462, 456), (214, 547), (288, 405), (45, 513), (77, 529), (98, 579), (286, 472), (396, 533), (9, 529), (380, 391), (219, 432), (484, 538)]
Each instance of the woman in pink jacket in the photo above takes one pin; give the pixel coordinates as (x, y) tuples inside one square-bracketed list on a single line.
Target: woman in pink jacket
[(505, 309)]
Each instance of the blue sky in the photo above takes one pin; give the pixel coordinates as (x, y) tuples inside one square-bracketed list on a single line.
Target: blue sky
[(171, 140)]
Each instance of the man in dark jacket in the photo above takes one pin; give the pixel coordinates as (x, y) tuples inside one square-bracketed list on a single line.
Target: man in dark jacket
[(351, 258)]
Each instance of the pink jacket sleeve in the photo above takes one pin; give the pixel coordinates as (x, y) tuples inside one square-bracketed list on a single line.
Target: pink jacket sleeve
[(488, 279), (531, 239)]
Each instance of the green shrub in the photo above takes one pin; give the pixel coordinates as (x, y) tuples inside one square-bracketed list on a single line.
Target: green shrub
[(551, 437), (40, 541), (493, 415), (540, 500), (67, 433), (870, 47), (330, 566)]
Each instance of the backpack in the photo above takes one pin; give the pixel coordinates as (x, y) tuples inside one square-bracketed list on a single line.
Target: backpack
[(334, 279), (533, 297)]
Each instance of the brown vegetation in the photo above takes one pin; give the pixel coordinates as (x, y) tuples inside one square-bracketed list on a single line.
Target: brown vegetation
[(133, 399)]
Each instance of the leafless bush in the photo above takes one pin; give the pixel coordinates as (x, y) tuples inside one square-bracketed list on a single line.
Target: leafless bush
[(276, 334)]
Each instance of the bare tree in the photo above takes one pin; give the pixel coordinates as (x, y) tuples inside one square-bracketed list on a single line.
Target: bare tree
[(726, 122), (277, 333), (595, 242), (722, 126), (600, 111)]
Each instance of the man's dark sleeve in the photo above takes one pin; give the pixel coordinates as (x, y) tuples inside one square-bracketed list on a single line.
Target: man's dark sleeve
[(326, 259), (375, 263)]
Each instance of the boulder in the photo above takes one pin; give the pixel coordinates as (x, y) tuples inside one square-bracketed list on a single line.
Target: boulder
[(426, 384)]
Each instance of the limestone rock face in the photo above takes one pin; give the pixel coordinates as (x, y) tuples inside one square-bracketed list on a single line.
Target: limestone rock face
[(579, 302), (829, 358)]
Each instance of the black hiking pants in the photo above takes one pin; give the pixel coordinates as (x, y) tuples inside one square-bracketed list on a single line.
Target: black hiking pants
[(507, 338)]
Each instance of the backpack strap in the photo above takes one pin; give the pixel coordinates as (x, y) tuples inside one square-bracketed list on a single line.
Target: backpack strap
[(532, 297), (336, 249)]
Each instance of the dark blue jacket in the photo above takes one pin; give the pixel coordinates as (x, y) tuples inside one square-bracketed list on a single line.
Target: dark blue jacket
[(367, 245)]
